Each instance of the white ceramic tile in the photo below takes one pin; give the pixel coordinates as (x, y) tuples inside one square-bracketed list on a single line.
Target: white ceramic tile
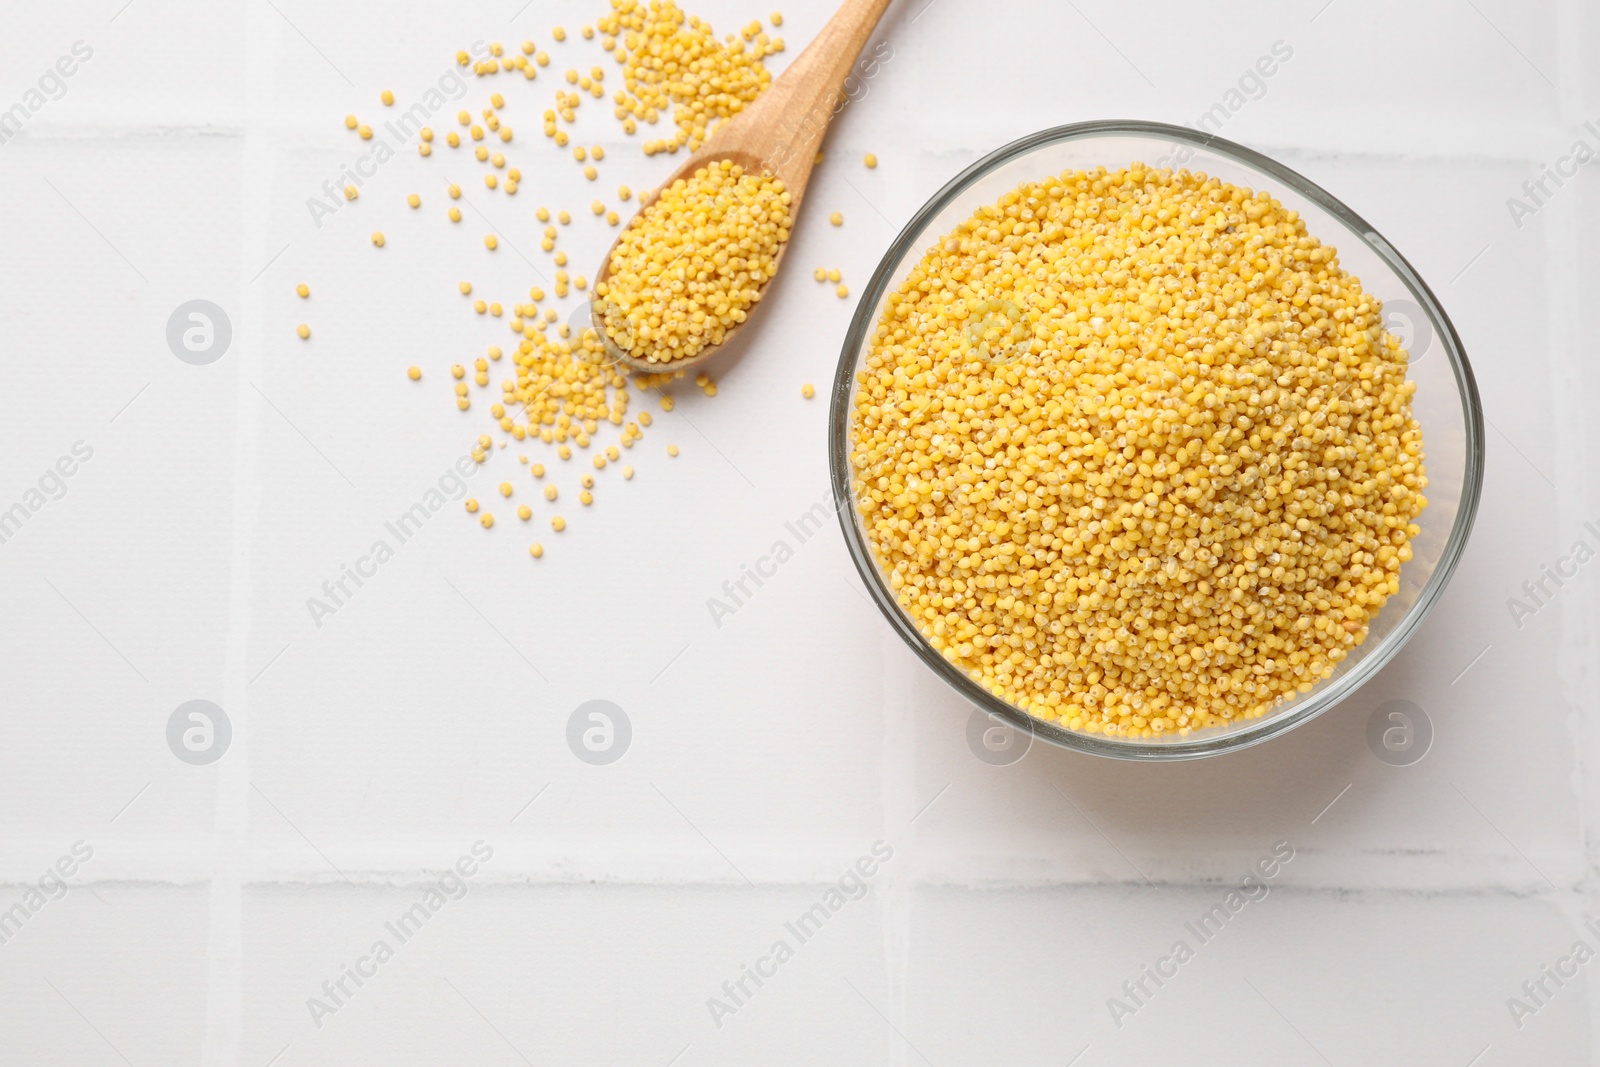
[(770, 745), (499, 974), (1277, 971), (107, 973)]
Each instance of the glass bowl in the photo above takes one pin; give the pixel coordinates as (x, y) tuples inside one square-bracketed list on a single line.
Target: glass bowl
[(1446, 403)]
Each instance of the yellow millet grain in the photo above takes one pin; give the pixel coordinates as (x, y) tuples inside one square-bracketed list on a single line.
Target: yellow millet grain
[(690, 266), (674, 63), (1135, 453)]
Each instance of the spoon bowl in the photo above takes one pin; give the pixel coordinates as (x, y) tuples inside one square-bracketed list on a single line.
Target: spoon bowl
[(779, 135)]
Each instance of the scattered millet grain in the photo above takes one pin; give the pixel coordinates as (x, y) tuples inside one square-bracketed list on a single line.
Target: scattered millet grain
[(675, 64)]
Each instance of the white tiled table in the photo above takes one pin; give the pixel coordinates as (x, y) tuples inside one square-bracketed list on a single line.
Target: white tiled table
[(771, 752)]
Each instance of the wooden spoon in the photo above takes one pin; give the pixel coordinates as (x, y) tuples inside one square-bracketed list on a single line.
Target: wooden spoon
[(778, 134)]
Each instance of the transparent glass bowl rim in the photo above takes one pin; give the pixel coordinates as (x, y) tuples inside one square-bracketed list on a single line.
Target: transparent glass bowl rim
[(1203, 743)]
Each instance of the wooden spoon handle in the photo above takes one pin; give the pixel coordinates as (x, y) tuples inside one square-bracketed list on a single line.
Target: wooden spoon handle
[(785, 126)]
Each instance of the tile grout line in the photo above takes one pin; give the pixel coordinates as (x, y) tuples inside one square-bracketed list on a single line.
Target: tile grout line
[(225, 949)]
